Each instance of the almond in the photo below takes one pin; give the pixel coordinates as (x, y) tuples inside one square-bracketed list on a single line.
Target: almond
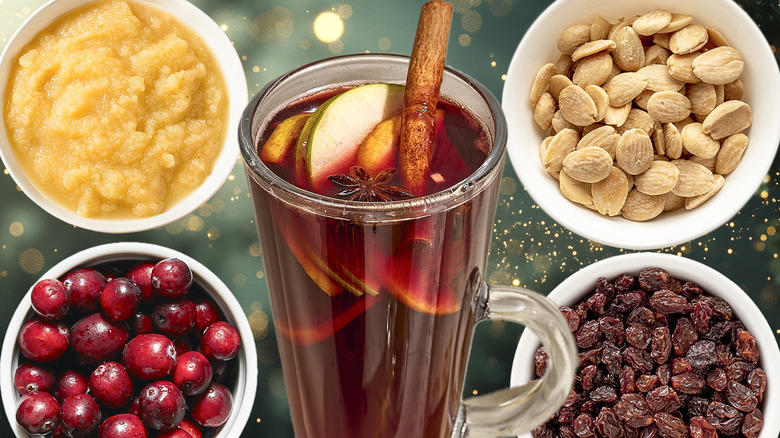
[(697, 142), (727, 119), (577, 106), (600, 98), (616, 116), (593, 70), (659, 178), (702, 97), (609, 194), (668, 106), (695, 201), (688, 39), (561, 145), (541, 81), (642, 207), (575, 191), (733, 90), (589, 165), (573, 37), (673, 202), (681, 67), (672, 141), (634, 151), (659, 79), (719, 66), (656, 54), (591, 48), (629, 54), (693, 179), (604, 137), (600, 28), (624, 87), (730, 154), (637, 119), (678, 22), (558, 83), (544, 110), (652, 22)]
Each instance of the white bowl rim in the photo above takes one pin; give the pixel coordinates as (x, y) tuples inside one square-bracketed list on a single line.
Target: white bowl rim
[(582, 282), (237, 90), (671, 228), (246, 380)]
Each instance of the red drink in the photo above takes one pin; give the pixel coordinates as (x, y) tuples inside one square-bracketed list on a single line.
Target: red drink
[(373, 316)]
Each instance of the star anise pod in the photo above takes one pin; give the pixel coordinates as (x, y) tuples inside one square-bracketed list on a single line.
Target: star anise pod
[(360, 186)]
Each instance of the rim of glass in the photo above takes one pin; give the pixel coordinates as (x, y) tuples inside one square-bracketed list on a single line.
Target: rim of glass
[(419, 206)]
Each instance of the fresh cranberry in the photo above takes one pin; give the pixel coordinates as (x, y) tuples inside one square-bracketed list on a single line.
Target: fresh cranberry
[(193, 373), (38, 413), (220, 341), (150, 356), (206, 313), (42, 341), (191, 428), (174, 318), (171, 278), (161, 405), (97, 339), (80, 415), (123, 426), (111, 384), (141, 275), (141, 323), (84, 286), (175, 433), (71, 382), (30, 377), (50, 300), (119, 299), (182, 345), (213, 407)]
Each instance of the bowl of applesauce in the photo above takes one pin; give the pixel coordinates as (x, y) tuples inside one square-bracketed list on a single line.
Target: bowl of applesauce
[(116, 115)]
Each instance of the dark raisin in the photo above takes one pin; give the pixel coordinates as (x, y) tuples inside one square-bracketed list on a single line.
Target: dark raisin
[(697, 407), (633, 410), (542, 431), (654, 279), (603, 286), (650, 431), (624, 283), (603, 394), (572, 318), (663, 399), (567, 432), (589, 357), (588, 334), (567, 414), (717, 379), (746, 346), (668, 302), (670, 426), (721, 308), (756, 380), (741, 397), (738, 370), (718, 330), (725, 418), (681, 365), (641, 315), (585, 426), (596, 303), (724, 356), (752, 424), (589, 376), (612, 329), (639, 360), (589, 407), (683, 336), (611, 357), (701, 315), (608, 424), (573, 399), (701, 428), (627, 380), (638, 335), (626, 302), (660, 345), (646, 382), (540, 358), (688, 383), (690, 290), (702, 354), (664, 373)]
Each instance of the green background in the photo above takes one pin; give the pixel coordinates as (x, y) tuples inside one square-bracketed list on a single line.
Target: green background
[(528, 248)]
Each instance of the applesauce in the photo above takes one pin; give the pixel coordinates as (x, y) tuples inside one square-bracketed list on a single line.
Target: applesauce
[(116, 110)]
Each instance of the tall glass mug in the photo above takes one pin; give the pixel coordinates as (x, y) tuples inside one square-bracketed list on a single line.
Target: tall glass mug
[(375, 303)]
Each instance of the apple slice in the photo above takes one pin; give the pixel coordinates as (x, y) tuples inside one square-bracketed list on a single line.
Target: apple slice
[(302, 145), (341, 127), (282, 139), (377, 152)]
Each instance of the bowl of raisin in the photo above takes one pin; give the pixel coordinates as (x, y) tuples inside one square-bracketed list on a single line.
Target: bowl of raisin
[(128, 340), (667, 347)]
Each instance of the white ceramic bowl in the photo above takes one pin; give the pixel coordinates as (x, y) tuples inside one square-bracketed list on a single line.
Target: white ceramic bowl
[(762, 92), (583, 282), (245, 385), (235, 80)]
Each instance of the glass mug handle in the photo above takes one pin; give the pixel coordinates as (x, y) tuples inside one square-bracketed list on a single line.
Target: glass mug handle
[(516, 410)]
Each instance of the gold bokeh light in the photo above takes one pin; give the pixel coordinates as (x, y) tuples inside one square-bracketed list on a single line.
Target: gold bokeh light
[(328, 27)]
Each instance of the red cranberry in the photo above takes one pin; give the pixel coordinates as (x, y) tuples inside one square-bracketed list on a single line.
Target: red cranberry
[(123, 426), (80, 415), (84, 286), (206, 313), (42, 341), (38, 413), (50, 300), (30, 377), (175, 433), (174, 318), (193, 373), (220, 341), (171, 278), (191, 428), (70, 383), (161, 405), (119, 299), (97, 339), (141, 275), (141, 323), (150, 356), (213, 407), (182, 345), (111, 384)]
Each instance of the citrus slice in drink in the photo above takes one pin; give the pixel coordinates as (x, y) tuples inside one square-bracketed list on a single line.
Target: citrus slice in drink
[(377, 152), (283, 138)]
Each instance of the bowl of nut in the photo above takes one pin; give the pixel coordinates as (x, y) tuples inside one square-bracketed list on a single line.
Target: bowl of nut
[(117, 116), (128, 339), (642, 125), (668, 346)]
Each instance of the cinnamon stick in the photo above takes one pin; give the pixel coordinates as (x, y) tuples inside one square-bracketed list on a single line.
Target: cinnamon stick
[(423, 83)]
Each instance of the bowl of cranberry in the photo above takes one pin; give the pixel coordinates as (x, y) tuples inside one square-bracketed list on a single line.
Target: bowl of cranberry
[(128, 340), (668, 347)]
